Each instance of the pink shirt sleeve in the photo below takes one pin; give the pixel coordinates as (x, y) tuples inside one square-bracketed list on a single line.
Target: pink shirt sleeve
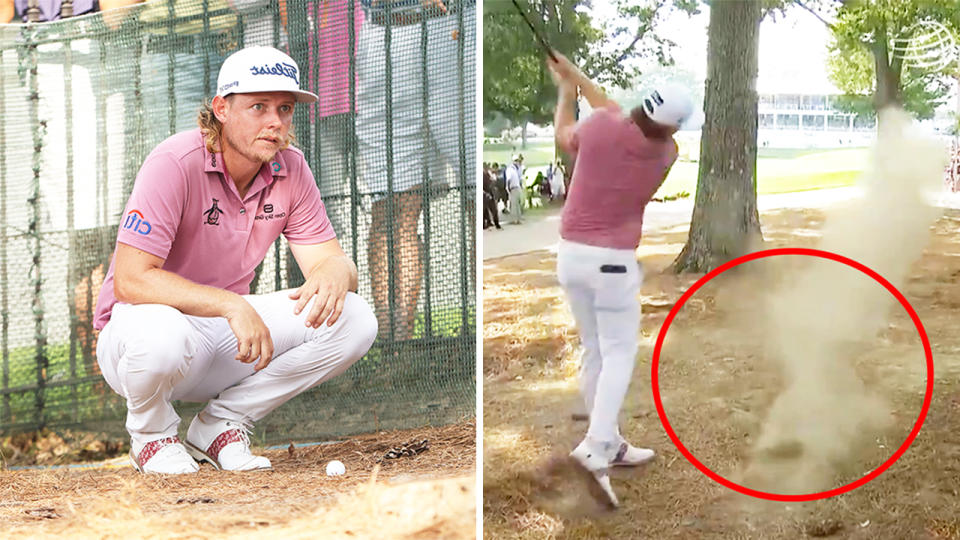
[(152, 216), (308, 222), (571, 142)]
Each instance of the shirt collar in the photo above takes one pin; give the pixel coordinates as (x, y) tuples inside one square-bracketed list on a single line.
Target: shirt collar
[(277, 167), (212, 161)]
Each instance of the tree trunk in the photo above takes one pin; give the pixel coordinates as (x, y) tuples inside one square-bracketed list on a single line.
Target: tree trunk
[(725, 223), (887, 71), (523, 135)]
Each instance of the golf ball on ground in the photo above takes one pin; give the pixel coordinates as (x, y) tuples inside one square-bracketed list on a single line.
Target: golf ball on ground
[(335, 468)]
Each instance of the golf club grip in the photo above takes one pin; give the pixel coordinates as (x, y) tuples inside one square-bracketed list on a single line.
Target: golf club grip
[(543, 42)]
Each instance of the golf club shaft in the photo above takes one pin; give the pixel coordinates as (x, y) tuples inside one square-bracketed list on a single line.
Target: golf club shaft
[(543, 42)]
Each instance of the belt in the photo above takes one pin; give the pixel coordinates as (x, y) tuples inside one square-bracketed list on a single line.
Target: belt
[(395, 13)]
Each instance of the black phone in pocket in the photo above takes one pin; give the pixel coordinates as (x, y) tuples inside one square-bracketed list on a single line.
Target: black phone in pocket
[(613, 269)]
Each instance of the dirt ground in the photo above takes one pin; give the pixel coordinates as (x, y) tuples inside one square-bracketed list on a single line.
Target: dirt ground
[(716, 391), (431, 494)]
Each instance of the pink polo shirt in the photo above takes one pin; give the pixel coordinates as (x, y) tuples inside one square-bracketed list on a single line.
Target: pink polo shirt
[(186, 209), (617, 171)]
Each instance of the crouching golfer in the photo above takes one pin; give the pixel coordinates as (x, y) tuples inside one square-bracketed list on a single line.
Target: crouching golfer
[(177, 319)]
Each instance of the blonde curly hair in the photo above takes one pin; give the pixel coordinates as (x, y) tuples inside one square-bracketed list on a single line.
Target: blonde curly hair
[(211, 127)]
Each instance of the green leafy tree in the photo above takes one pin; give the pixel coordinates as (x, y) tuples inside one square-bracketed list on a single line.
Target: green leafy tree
[(516, 83), (864, 58)]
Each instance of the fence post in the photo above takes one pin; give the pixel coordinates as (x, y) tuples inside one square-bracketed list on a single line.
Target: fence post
[(169, 39), (352, 74), (391, 248), (461, 124), (426, 184), (72, 274), (38, 128), (4, 290)]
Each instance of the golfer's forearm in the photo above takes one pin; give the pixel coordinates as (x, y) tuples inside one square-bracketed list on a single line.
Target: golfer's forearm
[(590, 91), (563, 118), (158, 286)]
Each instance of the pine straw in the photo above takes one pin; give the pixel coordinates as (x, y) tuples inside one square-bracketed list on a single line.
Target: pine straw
[(431, 494), (528, 398)]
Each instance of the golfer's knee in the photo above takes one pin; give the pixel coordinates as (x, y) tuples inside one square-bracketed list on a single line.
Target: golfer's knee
[(156, 348), (360, 326), (354, 332)]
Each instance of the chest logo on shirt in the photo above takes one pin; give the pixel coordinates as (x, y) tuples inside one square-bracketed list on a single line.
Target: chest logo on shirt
[(135, 222), (268, 213), (213, 214)]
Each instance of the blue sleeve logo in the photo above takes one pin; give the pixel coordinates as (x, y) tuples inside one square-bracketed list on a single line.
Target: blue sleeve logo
[(135, 222)]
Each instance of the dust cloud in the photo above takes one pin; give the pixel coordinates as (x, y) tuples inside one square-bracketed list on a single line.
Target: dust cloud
[(826, 419)]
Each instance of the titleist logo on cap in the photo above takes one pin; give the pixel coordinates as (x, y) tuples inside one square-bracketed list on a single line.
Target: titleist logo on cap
[(261, 69), (286, 70), (228, 86)]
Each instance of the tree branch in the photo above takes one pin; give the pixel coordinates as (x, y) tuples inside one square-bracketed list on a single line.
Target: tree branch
[(642, 30), (815, 14), (619, 58)]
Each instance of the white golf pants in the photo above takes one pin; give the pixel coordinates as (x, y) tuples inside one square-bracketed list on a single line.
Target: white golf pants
[(602, 285), (151, 354)]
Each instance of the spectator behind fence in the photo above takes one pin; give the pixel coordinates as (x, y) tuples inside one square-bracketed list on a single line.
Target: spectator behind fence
[(177, 319), (54, 10), (180, 60), (87, 247), (44, 10), (262, 24), (425, 150), (330, 76)]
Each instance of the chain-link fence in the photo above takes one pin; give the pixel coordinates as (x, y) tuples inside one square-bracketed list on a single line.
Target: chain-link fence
[(391, 144)]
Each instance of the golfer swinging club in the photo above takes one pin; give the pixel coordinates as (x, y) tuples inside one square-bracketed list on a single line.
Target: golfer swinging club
[(621, 160)]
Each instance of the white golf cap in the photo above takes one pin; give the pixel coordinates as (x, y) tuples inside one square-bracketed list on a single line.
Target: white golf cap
[(669, 105), (261, 69)]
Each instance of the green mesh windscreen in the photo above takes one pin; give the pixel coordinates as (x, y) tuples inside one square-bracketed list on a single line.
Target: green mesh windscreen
[(391, 144)]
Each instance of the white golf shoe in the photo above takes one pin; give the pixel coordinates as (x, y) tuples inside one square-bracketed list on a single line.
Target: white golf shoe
[(162, 456), (593, 458), (631, 456), (224, 444)]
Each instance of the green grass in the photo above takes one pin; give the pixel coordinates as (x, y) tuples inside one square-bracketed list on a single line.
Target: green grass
[(536, 154), (784, 171), (447, 322), (23, 364), (23, 372), (779, 170)]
